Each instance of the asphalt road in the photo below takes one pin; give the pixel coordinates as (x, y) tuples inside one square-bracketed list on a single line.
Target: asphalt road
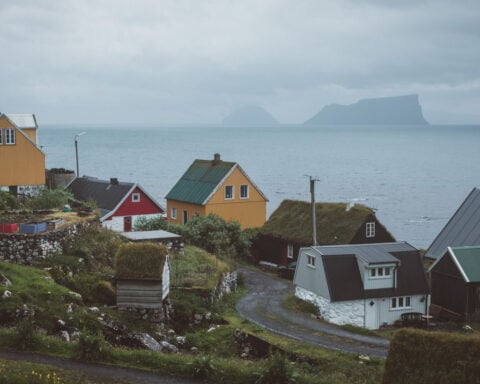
[(263, 306)]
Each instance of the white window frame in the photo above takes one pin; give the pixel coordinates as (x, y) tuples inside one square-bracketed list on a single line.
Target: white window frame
[(9, 139), (232, 192), (380, 272), (370, 229), (311, 261), (400, 302), (1, 136), (290, 251), (135, 197), (173, 213), (247, 190)]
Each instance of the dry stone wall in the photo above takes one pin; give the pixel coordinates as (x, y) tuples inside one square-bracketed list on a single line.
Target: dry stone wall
[(27, 249)]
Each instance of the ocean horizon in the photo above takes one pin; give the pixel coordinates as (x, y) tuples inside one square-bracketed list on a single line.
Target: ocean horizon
[(415, 177)]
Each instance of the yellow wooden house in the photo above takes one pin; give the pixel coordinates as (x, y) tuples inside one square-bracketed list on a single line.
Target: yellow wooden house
[(219, 187), (22, 162)]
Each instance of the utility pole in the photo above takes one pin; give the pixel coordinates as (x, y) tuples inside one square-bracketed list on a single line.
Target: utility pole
[(314, 215)]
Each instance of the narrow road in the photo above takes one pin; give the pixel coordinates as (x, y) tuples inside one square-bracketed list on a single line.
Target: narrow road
[(263, 306)]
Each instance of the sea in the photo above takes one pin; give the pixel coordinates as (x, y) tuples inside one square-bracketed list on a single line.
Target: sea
[(414, 177)]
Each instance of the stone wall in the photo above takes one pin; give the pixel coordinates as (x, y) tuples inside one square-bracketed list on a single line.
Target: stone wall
[(340, 312), (29, 249)]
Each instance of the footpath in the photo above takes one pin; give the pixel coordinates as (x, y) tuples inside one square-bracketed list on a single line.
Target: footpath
[(263, 306)]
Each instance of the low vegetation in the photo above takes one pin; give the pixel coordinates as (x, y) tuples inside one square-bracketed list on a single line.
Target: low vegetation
[(140, 261)]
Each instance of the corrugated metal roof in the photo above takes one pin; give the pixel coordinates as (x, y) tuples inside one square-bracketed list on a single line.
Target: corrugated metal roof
[(463, 228), (377, 253), (23, 120), (469, 260), (199, 181), (150, 235)]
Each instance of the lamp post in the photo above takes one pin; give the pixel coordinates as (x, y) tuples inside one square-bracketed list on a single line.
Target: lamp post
[(76, 150)]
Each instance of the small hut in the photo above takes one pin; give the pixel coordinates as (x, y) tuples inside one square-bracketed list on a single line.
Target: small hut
[(138, 276)]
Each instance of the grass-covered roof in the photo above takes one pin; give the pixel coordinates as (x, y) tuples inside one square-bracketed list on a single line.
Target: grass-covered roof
[(140, 261), (292, 221)]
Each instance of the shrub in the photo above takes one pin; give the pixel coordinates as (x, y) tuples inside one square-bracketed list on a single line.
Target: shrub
[(278, 370), (49, 199), (93, 347), (25, 336), (105, 293), (7, 201), (140, 261)]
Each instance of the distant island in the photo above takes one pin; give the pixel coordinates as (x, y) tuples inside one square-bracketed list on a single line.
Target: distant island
[(401, 110), (250, 115)]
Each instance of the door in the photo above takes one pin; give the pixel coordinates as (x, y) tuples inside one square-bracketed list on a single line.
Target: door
[(185, 217), (127, 223), (372, 314)]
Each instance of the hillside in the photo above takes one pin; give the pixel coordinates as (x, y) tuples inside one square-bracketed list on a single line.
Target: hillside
[(395, 110), (250, 115)]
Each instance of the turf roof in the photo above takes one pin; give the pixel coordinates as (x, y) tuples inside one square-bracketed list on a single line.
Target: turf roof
[(292, 221)]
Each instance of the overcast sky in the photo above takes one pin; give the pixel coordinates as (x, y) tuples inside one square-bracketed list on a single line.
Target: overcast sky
[(149, 62)]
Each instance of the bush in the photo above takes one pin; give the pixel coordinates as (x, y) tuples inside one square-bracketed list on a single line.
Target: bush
[(7, 201), (278, 370), (93, 347), (25, 336), (432, 357), (140, 261), (49, 199)]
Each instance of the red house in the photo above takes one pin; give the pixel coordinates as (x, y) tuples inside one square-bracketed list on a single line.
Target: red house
[(120, 204)]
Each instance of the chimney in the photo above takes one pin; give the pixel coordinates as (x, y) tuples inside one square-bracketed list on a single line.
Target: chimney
[(113, 181), (216, 159)]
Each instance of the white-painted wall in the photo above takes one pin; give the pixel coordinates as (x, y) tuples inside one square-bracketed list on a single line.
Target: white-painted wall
[(116, 223)]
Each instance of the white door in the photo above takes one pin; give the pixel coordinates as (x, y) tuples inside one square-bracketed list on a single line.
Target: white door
[(372, 314)]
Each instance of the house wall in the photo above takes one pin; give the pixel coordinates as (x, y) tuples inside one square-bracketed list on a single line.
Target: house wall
[(181, 206), (31, 133), (341, 312), (22, 163), (380, 312), (143, 207), (116, 223), (378, 282), (250, 212), (381, 233), (309, 278)]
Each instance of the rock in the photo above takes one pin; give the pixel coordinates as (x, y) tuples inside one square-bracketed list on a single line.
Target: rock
[(61, 323), (169, 347), (7, 293), (180, 340), (148, 342), (194, 349), (75, 294), (212, 328), (4, 280), (75, 335), (65, 336), (94, 309), (69, 308)]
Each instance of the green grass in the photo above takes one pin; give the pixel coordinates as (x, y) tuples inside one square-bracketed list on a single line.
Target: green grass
[(293, 303)]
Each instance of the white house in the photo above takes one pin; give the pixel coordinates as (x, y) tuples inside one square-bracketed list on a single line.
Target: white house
[(367, 285)]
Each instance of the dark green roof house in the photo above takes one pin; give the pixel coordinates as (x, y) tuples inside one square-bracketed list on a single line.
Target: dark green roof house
[(455, 280), (290, 227), (219, 187)]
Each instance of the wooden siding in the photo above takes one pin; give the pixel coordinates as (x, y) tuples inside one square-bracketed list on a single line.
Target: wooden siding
[(181, 206), (449, 290), (139, 293), (21, 163), (250, 212), (310, 278), (381, 233), (143, 207)]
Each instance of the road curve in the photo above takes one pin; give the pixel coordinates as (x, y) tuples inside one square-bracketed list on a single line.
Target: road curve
[(262, 305)]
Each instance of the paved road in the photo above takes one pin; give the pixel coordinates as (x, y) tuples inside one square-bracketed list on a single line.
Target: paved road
[(263, 306), (92, 371)]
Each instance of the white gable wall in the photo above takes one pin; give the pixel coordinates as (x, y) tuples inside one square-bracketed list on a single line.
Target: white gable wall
[(117, 222)]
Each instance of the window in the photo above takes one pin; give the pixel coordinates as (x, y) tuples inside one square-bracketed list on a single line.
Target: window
[(244, 191), (1, 136), (173, 213), (380, 272), (370, 229), (290, 251), (135, 197), (228, 192), (9, 136), (400, 302), (311, 261)]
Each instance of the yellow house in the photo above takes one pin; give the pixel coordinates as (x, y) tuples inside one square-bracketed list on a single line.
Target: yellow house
[(219, 187), (22, 162)]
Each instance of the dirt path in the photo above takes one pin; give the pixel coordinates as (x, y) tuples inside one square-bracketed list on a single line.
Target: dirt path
[(94, 372), (263, 306)]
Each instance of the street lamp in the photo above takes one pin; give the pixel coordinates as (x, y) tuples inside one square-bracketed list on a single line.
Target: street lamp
[(76, 150)]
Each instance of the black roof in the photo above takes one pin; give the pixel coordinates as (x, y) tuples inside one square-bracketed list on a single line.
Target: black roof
[(106, 194), (345, 283)]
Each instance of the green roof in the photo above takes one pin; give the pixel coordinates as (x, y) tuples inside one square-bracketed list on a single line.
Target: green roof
[(199, 181), (292, 221), (469, 260)]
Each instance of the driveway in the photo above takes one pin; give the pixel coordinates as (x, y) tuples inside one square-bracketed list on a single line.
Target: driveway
[(262, 305)]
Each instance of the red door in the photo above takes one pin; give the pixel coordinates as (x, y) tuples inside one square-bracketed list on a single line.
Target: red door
[(127, 223)]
